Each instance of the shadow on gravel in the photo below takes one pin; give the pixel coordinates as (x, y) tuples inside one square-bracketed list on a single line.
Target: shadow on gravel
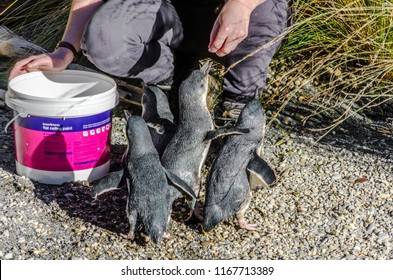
[(107, 211), (370, 132), (359, 138), (7, 151)]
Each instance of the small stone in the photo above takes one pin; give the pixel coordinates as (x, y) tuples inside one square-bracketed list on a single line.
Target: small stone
[(384, 196), (207, 243), (382, 238), (371, 228), (350, 257), (357, 248), (9, 256), (336, 177), (312, 252)]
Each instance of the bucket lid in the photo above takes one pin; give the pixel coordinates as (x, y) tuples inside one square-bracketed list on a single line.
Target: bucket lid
[(69, 93)]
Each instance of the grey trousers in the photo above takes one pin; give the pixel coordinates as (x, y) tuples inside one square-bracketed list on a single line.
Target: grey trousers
[(141, 39)]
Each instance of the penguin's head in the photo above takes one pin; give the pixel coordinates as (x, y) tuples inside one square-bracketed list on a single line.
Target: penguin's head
[(195, 87), (252, 115), (136, 128), (155, 104), (138, 135), (149, 103)]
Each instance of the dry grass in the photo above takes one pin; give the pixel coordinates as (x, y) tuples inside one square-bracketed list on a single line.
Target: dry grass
[(42, 21), (347, 48)]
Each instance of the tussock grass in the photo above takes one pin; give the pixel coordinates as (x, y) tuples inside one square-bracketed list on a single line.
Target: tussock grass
[(42, 21), (346, 47)]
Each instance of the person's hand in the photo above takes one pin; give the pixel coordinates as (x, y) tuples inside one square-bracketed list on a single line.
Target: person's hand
[(55, 61), (231, 26)]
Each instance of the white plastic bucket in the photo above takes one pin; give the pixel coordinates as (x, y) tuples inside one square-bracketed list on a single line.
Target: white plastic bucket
[(62, 124)]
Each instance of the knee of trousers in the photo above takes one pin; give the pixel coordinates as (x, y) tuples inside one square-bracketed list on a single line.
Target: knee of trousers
[(110, 51), (249, 76)]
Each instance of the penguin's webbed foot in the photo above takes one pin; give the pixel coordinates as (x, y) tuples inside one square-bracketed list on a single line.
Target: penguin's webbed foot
[(245, 225), (195, 216), (198, 213), (130, 235)]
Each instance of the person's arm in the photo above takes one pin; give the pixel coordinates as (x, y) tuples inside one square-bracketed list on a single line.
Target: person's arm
[(81, 11), (231, 25)]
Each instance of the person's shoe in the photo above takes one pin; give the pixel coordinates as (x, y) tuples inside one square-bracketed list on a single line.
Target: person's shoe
[(166, 85), (233, 108), (227, 113)]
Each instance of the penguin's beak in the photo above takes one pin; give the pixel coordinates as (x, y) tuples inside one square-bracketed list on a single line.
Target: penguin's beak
[(127, 114), (206, 67), (144, 86)]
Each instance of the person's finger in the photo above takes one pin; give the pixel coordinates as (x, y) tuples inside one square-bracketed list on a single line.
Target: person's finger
[(213, 35), (219, 39), (22, 71), (18, 67), (23, 65), (226, 49), (43, 60), (230, 44)]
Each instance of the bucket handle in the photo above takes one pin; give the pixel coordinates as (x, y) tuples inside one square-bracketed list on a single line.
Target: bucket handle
[(21, 114)]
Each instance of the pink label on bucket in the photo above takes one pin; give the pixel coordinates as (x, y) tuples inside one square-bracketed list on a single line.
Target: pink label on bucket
[(63, 144)]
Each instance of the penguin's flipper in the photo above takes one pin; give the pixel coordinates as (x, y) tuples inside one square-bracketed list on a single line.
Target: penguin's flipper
[(112, 181), (223, 131), (180, 184), (262, 170), (159, 128)]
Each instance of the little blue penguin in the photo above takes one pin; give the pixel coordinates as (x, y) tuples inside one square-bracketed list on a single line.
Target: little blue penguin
[(158, 116), (186, 152), (149, 193), (228, 191)]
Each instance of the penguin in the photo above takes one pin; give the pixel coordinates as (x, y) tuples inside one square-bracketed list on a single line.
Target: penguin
[(148, 183), (158, 116), (187, 151), (228, 190)]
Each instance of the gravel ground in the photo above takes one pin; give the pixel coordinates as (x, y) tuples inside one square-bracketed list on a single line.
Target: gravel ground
[(333, 200)]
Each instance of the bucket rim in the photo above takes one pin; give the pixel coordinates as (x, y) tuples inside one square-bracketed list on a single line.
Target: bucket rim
[(79, 73), (64, 107)]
